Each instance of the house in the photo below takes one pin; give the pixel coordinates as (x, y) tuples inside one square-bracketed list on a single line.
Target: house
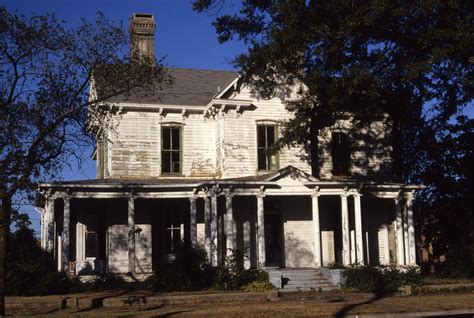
[(192, 164)]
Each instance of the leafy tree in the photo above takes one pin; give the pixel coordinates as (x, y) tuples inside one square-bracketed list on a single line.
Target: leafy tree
[(365, 57), (46, 114)]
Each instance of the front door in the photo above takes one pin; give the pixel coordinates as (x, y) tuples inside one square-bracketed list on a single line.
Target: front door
[(273, 239)]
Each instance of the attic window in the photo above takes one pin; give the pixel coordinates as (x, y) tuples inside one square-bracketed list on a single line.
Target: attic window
[(141, 15), (341, 154)]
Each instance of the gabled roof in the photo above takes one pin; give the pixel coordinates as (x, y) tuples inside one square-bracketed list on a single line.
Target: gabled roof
[(189, 87)]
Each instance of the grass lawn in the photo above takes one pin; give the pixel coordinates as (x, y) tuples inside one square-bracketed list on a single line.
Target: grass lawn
[(303, 304)]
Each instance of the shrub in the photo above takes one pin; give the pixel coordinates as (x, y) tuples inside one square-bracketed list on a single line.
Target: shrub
[(458, 263), (379, 279), (258, 286)]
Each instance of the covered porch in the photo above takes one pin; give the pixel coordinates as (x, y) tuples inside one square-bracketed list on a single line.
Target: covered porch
[(283, 219)]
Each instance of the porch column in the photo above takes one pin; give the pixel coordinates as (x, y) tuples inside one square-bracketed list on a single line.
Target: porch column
[(214, 228), (358, 229), (346, 246), (405, 232), (411, 229), (399, 232), (229, 226), (66, 232), (49, 226), (192, 221), (131, 234), (316, 229), (260, 230), (207, 227)]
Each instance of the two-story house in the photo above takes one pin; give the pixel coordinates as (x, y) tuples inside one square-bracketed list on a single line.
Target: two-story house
[(193, 164)]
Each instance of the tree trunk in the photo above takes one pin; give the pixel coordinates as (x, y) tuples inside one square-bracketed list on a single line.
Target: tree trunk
[(314, 148), (5, 213)]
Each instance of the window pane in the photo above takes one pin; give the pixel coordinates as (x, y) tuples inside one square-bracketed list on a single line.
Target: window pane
[(262, 159), (176, 164), (165, 162), (166, 139), (175, 140), (261, 136), (341, 154), (91, 244), (270, 136)]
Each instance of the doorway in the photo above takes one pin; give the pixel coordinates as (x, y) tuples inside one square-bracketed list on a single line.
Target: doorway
[(273, 239)]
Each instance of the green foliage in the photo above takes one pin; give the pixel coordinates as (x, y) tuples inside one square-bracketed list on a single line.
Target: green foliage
[(458, 263), (231, 276), (379, 279), (187, 271), (29, 269)]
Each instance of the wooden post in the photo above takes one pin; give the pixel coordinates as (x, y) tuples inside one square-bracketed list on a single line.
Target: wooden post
[(229, 226), (207, 227), (346, 253), (411, 230), (358, 229), (192, 221), (316, 229), (66, 232), (261, 230), (399, 232), (214, 228), (49, 235), (131, 234), (405, 232)]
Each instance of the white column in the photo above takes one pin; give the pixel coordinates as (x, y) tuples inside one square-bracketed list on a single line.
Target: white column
[(66, 232), (260, 230), (207, 227), (214, 228), (316, 230), (358, 229), (399, 231), (386, 240), (49, 226), (346, 247), (405, 233), (411, 230), (229, 225), (131, 234), (192, 221)]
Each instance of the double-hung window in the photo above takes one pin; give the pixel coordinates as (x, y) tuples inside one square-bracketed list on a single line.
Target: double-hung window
[(171, 150), (267, 155), (341, 154)]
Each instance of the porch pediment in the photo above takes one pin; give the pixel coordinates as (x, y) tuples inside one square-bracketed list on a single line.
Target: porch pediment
[(290, 174)]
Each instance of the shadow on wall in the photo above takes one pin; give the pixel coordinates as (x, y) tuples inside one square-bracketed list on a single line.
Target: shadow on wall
[(298, 253)]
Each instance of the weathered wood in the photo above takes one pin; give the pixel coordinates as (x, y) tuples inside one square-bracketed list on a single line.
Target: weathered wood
[(261, 230), (207, 228), (346, 247), (411, 230), (66, 233), (358, 229), (229, 225), (214, 256), (316, 230), (399, 232), (192, 220), (131, 234), (49, 210)]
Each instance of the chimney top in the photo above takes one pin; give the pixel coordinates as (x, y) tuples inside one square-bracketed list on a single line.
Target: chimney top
[(142, 37)]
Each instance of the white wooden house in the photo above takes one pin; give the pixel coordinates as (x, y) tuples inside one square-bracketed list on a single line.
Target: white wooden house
[(190, 165)]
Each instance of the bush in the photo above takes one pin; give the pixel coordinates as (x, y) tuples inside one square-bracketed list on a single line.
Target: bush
[(230, 276), (379, 279), (188, 271), (458, 264)]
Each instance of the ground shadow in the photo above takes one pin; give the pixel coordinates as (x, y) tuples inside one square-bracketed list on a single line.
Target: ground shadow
[(346, 309)]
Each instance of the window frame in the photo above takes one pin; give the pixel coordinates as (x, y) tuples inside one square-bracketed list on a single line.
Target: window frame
[(180, 150), (268, 157), (343, 168)]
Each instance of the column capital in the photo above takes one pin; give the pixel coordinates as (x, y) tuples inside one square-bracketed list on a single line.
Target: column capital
[(344, 194), (193, 197), (261, 193), (315, 192)]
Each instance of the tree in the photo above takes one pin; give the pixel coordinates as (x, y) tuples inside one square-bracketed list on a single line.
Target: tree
[(46, 113), (362, 57)]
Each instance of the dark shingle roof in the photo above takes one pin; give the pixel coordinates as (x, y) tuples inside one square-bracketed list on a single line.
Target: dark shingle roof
[(189, 87)]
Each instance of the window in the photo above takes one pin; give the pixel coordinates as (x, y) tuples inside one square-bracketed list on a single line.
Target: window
[(341, 154), (171, 150), (266, 147)]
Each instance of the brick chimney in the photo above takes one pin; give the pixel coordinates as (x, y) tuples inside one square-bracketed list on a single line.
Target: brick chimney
[(142, 37)]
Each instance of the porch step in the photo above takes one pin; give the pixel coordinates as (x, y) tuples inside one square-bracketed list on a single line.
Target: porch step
[(299, 280)]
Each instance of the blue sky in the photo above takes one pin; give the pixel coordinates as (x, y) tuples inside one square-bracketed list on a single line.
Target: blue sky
[(185, 38)]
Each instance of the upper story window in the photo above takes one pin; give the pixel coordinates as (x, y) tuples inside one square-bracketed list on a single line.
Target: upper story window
[(341, 154), (266, 147), (171, 150)]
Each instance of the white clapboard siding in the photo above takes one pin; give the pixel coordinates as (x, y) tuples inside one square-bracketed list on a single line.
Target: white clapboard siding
[(327, 243)]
